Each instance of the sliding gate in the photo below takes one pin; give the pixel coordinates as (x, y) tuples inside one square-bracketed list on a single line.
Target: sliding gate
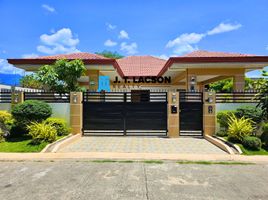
[(125, 113), (191, 113)]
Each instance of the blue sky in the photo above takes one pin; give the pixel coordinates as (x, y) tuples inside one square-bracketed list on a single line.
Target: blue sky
[(160, 28)]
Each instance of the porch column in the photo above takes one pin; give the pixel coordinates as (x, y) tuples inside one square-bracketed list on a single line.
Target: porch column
[(93, 79), (173, 118), (209, 113), (76, 112), (239, 82)]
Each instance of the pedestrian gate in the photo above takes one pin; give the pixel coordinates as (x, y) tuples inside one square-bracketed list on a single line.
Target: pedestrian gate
[(191, 114), (125, 113)]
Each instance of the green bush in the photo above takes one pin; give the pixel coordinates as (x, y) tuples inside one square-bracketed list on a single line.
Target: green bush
[(222, 118), (60, 125), (252, 143), (238, 128), (2, 135), (264, 136), (30, 111), (251, 112), (40, 131), (6, 122), (221, 133)]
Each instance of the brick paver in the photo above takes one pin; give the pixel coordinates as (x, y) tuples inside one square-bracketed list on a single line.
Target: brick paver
[(182, 145)]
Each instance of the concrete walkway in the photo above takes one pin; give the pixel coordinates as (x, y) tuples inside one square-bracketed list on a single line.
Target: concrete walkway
[(153, 145)]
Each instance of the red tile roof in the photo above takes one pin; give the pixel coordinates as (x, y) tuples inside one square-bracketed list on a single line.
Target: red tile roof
[(141, 65), (202, 53), (80, 55)]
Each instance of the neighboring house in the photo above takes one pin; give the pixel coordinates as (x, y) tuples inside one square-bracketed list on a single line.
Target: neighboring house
[(189, 72)]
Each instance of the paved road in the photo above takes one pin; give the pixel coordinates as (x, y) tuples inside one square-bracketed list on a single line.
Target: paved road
[(89, 180)]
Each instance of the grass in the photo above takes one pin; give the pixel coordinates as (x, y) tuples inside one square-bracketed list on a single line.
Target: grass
[(22, 144), (245, 151), (153, 161), (262, 151), (214, 162)]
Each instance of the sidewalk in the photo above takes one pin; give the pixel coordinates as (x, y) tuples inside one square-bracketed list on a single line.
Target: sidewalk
[(130, 156)]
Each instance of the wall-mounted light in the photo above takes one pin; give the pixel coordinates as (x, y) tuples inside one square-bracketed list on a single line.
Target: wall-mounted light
[(75, 98), (209, 100), (174, 99), (193, 80), (16, 97)]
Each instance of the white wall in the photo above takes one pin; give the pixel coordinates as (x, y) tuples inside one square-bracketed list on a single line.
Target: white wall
[(61, 110)]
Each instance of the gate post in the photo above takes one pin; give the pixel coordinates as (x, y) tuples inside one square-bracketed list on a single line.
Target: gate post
[(16, 98), (173, 117), (76, 112), (209, 113)]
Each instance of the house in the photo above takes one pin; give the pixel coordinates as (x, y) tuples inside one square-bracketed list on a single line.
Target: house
[(153, 96), (189, 72)]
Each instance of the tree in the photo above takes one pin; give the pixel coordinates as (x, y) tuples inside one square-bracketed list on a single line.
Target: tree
[(110, 54), (226, 85), (30, 81), (61, 76), (262, 96)]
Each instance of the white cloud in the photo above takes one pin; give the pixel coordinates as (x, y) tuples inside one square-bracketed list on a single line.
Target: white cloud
[(129, 48), (48, 8), (110, 26), (110, 43), (184, 43), (30, 55), (123, 35), (162, 56), (187, 42), (7, 68), (224, 27), (61, 41)]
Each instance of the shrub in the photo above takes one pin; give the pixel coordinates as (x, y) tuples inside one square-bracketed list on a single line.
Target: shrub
[(221, 133), (5, 117), (31, 111), (252, 143), (6, 121), (264, 136), (42, 132), (60, 125), (2, 135), (251, 112), (222, 118), (239, 128)]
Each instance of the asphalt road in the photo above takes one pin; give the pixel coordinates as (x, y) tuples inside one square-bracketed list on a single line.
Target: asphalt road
[(91, 180)]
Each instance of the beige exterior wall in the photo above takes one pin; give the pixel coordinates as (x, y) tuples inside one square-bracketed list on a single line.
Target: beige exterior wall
[(209, 118), (173, 118), (76, 112)]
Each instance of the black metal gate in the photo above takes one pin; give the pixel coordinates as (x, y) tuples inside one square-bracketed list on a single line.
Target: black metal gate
[(191, 113), (125, 113)]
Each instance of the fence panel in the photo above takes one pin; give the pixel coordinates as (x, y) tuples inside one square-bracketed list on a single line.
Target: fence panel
[(49, 97)]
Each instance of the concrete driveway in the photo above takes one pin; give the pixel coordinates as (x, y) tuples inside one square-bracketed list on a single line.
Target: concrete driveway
[(182, 145), (90, 180)]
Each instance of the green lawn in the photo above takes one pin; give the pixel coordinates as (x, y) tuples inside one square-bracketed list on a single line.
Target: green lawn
[(245, 151), (250, 152), (22, 144)]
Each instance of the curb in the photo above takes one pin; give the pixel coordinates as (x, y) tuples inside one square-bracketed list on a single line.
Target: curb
[(46, 149), (219, 144), (65, 142), (236, 147)]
